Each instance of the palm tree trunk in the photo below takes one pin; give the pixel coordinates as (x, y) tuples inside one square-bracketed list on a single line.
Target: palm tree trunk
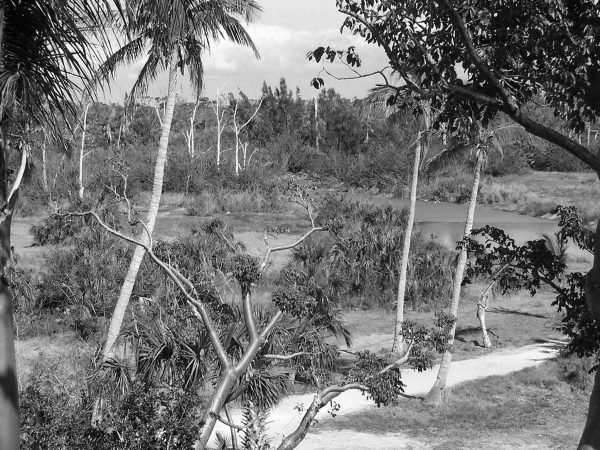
[(590, 439), (398, 338), (435, 394), (9, 390), (127, 288)]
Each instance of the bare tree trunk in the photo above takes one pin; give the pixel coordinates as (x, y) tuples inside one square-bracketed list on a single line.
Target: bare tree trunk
[(435, 394), (82, 152), (44, 163), (317, 136), (127, 288), (481, 308), (590, 439), (398, 338), (224, 387)]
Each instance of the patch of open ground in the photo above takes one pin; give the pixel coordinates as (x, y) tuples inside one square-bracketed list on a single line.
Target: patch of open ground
[(533, 408)]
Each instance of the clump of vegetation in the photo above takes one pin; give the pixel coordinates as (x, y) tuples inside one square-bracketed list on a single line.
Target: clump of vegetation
[(147, 417), (358, 264), (61, 227)]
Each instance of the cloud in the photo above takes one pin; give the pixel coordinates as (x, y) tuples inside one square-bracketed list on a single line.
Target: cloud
[(283, 54)]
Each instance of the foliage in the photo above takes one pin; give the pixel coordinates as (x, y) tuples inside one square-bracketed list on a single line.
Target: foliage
[(149, 417), (513, 267), (83, 277), (384, 388), (361, 260), (62, 228), (244, 268), (533, 264)]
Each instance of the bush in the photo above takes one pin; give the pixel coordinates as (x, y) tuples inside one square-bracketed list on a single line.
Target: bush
[(360, 263), (149, 417), (85, 276), (59, 228)]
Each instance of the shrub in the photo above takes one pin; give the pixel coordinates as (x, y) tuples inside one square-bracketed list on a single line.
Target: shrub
[(59, 228), (360, 264), (149, 417), (85, 275)]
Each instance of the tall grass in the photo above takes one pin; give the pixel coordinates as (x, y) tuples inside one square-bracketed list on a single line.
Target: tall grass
[(219, 201)]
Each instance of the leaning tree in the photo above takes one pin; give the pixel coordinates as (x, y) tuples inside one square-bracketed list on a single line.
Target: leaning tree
[(174, 36), (491, 57)]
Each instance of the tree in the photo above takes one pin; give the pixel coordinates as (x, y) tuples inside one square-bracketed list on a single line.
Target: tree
[(82, 154), (245, 111), (41, 45), (511, 267), (174, 35), (435, 394), (509, 52)]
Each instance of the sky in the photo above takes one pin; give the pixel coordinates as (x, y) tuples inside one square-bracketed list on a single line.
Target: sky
[(285, 32)]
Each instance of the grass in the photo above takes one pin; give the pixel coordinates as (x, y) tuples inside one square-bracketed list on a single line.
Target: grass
[(539, 193), (533, 193), (512, 321), (534, 406)]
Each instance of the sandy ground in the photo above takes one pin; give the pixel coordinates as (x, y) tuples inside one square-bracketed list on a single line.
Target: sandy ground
[(285, 417)]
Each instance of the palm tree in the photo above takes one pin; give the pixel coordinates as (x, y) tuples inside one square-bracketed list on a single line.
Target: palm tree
[(43, 50), (380, 95), (478, 146), (173, 35)]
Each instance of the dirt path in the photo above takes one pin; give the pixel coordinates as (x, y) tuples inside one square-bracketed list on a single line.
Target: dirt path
[(286, 416)]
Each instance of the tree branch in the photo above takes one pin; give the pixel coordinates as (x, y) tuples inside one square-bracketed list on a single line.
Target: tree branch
[(288, 247), (286, 357), (483, 68)]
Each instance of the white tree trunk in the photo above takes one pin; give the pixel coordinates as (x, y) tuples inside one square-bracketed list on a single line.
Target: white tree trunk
[(317, 136), (127, 288), (82, 152), (398, 338), (481, 308), (435, 394)]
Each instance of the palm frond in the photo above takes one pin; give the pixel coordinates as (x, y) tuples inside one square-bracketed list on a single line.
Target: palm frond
[(448, 156)]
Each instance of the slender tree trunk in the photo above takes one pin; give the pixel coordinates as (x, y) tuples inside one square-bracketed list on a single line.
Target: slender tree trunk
[(44, 163), (481, 308), (406, 247), (127, 288), (590, 438), (82, 152), (317, 135), (435, 394)]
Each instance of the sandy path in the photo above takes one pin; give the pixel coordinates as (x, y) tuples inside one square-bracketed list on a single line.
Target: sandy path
[(285, 417)]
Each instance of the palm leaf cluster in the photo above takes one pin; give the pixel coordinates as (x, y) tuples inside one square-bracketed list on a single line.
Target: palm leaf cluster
[(179, 32), (49, 52)]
